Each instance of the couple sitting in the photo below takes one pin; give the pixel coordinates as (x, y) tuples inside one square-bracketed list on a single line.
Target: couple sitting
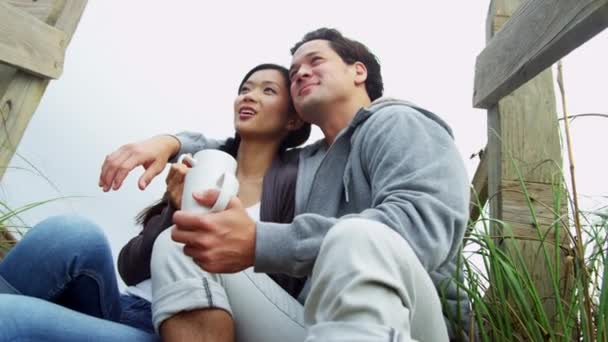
[(353, 238)]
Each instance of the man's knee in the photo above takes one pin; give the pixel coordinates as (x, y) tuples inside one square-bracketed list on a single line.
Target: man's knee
[(355, 233), (355, 241)]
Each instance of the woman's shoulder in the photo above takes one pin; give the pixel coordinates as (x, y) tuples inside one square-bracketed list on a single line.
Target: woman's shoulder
[(289, 157)]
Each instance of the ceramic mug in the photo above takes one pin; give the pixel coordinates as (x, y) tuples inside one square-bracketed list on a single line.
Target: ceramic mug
[(211, 169)]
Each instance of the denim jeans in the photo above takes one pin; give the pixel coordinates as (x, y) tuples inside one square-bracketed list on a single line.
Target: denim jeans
[(63, 284)]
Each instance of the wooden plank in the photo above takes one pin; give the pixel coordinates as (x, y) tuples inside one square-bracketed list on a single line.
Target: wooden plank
[(46, 11), (30, 44), (524, 147), (538, 34), (23, 91)]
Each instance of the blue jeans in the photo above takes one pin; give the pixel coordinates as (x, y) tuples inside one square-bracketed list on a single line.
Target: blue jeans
[(61, 276)]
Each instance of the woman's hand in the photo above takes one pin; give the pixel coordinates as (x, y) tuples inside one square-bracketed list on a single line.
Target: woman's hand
[(175, 184)]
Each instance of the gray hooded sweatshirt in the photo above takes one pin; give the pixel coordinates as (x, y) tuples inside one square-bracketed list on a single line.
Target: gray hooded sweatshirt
[(395, 163)]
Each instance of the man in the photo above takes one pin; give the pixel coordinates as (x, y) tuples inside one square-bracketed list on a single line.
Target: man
[(381, 206)]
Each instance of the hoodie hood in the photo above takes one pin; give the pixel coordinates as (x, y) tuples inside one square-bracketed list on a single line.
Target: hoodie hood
[(383, 102)]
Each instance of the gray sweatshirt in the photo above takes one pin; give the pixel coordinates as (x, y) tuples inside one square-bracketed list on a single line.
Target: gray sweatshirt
[(395, 163)]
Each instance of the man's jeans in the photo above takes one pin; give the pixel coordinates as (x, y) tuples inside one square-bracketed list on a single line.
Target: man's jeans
[(367, 285), (59, 283)]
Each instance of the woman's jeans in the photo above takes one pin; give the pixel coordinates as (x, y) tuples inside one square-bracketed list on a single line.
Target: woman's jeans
[(59, 284)]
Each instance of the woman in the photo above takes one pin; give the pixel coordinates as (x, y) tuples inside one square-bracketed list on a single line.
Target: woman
[(77, 296)]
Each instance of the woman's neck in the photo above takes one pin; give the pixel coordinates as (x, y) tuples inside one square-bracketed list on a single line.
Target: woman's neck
[(254, 158)]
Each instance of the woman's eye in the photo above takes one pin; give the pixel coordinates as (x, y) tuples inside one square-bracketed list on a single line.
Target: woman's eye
[(243, 90), (270, 91)]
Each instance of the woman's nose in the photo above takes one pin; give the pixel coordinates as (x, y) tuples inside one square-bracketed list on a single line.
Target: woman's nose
[(250, 97)]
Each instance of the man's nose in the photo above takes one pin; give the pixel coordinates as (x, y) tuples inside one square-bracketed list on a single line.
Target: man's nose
[(303, 72)]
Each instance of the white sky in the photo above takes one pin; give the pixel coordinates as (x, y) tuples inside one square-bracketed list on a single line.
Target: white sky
[(139, 68)]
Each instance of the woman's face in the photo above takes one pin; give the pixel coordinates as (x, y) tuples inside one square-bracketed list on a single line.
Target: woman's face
[(261, 110)]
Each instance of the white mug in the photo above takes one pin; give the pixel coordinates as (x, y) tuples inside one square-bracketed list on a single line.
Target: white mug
[(211, 169)]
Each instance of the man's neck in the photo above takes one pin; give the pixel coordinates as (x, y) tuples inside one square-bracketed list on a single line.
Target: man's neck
[(339, 115)]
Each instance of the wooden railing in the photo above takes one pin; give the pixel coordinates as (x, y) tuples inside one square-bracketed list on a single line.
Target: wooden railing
[(522, 163), (33, 37)]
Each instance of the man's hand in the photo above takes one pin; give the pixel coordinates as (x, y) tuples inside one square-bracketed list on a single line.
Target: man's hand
[(175, 183), (222, 242), (152, 154)]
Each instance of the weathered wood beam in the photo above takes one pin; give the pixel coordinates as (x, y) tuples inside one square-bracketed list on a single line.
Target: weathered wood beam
[(525, 190), (538, 34), (20, 92), (479, 188), (30, 44), (46, 11)]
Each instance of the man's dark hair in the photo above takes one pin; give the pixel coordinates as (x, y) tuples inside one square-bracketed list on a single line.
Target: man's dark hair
[(350, 51)]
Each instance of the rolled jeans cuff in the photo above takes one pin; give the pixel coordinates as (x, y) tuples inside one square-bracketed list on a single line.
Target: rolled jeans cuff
[(187, 295)]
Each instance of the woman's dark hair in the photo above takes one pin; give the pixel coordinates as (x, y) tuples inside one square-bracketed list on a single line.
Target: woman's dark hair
[(294, 138), (152, 210), (350, 51)]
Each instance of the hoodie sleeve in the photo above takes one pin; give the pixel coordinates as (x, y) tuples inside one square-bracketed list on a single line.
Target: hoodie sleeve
[(192, 142), (419, 188)]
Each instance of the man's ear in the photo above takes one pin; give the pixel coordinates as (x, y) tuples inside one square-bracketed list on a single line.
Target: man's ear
[(294, 123), (360, 73)]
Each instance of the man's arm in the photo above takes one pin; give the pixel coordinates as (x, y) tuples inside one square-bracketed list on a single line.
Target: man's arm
[(419, 189), (192, 142), (153, 154)]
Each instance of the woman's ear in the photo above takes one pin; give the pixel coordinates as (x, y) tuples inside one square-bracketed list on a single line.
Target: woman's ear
[(294, 123)]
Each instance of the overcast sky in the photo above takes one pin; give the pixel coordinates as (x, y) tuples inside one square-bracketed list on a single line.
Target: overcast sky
[(140, 68)]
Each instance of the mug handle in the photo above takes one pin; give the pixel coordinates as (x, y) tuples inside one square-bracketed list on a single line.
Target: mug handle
[(229, 189), (188, 157)]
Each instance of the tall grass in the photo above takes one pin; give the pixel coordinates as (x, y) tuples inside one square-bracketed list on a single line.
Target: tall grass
[(505, 299), (512, 298), (12, 226)]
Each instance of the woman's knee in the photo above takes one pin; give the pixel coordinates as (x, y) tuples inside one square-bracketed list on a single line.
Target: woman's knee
[(164, 249), (62, 226)]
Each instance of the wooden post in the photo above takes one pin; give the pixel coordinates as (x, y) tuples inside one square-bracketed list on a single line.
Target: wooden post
[(524, 148), (20, 91), (30, 44)]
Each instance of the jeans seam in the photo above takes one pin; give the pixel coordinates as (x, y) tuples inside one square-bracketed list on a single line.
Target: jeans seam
[(208, 292)]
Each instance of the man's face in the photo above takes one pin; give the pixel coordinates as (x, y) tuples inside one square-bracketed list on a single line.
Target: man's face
[(319, 77)]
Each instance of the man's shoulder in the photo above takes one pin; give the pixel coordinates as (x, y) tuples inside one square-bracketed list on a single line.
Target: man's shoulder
[(395, 113)]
